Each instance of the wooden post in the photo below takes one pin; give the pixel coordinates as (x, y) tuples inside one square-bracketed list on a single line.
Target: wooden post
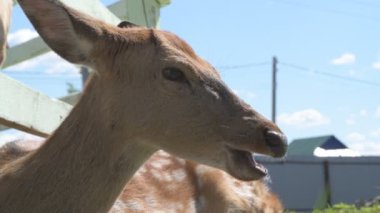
[(85, 74), (327, 187)]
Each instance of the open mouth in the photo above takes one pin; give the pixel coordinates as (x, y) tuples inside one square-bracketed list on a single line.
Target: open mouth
[(243, 165)]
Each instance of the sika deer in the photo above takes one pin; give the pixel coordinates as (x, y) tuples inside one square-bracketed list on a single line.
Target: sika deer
[(169, 184), (150, 92)]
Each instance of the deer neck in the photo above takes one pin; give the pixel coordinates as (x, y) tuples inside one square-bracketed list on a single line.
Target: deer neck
[(82, 167)]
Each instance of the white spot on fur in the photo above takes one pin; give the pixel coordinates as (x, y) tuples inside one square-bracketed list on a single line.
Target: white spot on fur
[(167, 177), (200, 170), (157, 164), (151, 202), (179, 175), (176, 207), (243, 190), (142, 170), (191, 206), (133, 205), (156, 174), (181, 161), (163, 154), (160, 163), (165, 162), (118, 206)]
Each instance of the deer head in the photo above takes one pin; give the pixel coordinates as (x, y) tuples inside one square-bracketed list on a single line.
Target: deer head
[(155, 90)]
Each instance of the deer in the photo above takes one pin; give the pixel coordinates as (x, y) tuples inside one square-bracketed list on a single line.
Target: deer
[(166, 183), (5, 19), (150, 91), (156, 185)]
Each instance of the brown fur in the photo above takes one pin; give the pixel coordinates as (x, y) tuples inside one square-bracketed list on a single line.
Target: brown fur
[(5, 18), (128, 111)]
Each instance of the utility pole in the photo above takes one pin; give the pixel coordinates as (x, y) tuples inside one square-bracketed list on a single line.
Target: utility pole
[(274, 87)]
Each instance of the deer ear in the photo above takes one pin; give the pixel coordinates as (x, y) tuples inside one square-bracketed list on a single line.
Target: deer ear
[(126, 24), (68, 32)]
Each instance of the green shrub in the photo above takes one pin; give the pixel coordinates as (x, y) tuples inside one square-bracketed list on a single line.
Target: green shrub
[(347, 208)]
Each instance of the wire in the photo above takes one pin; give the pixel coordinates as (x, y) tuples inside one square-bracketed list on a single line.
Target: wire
[(241, 66), (42, 76), (355, 80)]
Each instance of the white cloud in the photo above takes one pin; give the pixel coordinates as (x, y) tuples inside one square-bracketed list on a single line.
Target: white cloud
[(347, 58), (49, 63), (376, 65), (354, 117), (304, 118), (363, 112), (355, 136), (376, 133), (350, 120), (21, 36), (363, 144), (7, 137), (377, 112), (12, 135)]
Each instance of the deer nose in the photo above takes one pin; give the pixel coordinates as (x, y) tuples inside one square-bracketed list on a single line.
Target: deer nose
[(277, 143)]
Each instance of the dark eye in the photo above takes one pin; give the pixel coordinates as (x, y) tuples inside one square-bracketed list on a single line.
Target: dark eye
[(173, 74)]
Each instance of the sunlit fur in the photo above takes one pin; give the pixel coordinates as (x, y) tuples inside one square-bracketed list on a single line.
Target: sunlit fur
[(128, 111)]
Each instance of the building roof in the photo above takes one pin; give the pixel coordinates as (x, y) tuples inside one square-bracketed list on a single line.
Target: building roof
[(306, 146)]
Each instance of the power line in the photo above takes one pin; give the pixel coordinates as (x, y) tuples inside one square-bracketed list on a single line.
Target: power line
[(34, 75), (355, 80)]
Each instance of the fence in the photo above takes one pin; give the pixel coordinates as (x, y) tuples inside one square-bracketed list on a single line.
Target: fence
[(304, 182), (33, 112)]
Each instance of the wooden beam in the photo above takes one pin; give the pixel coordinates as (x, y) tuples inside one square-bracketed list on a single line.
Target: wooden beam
[(71, 99), (25, 51), (24, 109)]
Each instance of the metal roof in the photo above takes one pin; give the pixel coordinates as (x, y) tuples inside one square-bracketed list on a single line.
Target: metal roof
[(306, 146)]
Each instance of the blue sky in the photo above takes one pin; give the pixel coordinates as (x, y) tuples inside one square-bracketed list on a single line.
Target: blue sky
[(329, 54)]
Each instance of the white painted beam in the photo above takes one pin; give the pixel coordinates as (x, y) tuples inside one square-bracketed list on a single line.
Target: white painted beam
[(71, 99), (24, 109)]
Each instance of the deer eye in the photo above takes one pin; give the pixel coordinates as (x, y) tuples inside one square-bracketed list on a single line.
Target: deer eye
[(173, 74)]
